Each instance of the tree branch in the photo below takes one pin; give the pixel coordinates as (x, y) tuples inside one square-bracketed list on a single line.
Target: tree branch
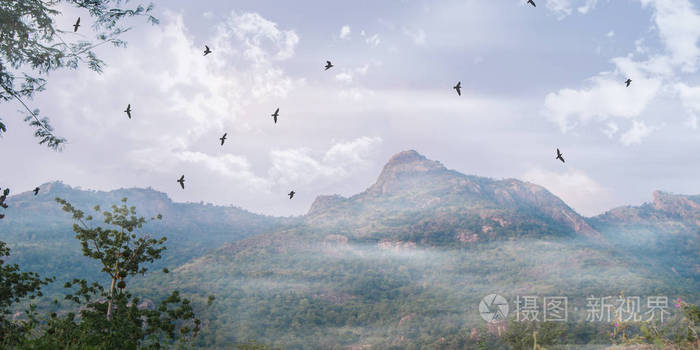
[(36, 118)]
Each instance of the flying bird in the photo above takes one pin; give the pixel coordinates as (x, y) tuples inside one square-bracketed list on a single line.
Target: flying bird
[(128, 110), (206, 50), (458, 87), (76, 25), (559, 156), (628, 82), (328, 65), (223, 138), (182, 181), (291, 194), (531, 3), (36, 191), (276, 114)]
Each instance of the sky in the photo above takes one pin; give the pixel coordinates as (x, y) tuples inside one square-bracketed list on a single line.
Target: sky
[(534, 79)]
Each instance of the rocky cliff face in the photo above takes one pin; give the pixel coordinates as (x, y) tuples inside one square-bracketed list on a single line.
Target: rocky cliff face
[(686, 207)]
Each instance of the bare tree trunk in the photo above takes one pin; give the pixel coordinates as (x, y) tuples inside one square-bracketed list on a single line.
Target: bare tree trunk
[(111, 287), (115, 274), (109, 305)]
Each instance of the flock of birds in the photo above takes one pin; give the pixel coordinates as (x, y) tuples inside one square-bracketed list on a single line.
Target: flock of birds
[(276, 114), (222, 139)]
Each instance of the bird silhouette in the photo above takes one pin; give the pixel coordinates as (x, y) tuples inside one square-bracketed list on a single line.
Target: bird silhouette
[(275, 115), (531, 3), (36, 191), (76, 25), (223, 138), (328, 65), (182, 181), (206, 50), (458, 87), (559, 156), (291, 194), (128, 110), (628, 82)]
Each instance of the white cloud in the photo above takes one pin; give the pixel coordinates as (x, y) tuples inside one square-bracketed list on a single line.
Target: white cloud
[(574, 187), (563, 8), (373, 40), (260, 38), (690, 97), (299, 166), (348, 75), (362, 70), (344, 77), (636, 133), (606, 98), (353, 152), (610, 34), (354, 93), (611, 129), (587, 6), (231, 167), (418, 36), (344, 32), (678, 24), (182, 102)]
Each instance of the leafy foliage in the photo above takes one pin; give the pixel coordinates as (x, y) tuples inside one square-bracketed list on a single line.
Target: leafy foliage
[(130, 327), (679, 333), (253, 345), (31, 46), (3, 198), (113, 317), (532, 335), (121, 250), (14, 286)]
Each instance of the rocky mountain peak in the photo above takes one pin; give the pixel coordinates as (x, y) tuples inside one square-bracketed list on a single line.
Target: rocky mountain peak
[(411, 161), (402, 164)]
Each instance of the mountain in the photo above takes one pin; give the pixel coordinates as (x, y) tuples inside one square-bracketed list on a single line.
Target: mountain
[(682, 212), (662, 235), (40, 215), (446, 206), (41, 237), (403, 264)]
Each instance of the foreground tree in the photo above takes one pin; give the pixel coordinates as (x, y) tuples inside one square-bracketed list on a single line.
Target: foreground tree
[(14, 286), (31, 46), (111, 317), (3, 205)]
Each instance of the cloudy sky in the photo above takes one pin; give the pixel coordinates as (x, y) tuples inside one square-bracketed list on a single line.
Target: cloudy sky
[(534, 79)]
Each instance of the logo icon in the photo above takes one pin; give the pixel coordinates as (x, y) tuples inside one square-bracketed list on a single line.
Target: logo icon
[(493, 308)]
